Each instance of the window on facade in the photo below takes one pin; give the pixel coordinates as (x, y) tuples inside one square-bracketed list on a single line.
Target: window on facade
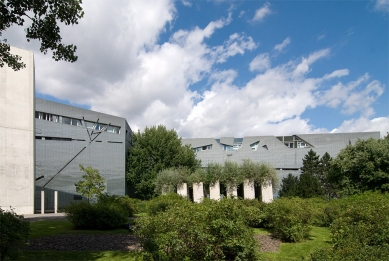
[(66, 120), (254, 146)]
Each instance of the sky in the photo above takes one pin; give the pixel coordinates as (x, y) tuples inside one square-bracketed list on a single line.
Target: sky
[(226, 68)]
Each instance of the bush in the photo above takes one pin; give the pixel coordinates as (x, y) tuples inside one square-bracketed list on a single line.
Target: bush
[(128, 204), (14, 231), (102, 215), (210, 230), (163, 203), (360, 228), (290, 217)]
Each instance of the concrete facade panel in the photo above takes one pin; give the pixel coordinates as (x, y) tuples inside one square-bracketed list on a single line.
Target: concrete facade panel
[(17, 135)]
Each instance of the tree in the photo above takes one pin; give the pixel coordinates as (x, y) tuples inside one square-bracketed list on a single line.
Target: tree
[(288, 186), (14, 231), (45, 16), (92, 185), (156, 149), (361, 167)]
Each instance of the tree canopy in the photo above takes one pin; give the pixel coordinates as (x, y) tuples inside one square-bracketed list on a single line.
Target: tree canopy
[(156, 149), (92, 185), (361, 167), (45, 16), (313, 180)]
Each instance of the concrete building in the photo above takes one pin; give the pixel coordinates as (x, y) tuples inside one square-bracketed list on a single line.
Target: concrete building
[(17, 135), (284, 153), (67, 136)]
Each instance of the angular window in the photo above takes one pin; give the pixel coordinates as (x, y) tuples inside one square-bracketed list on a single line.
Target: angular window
[(254, 146)]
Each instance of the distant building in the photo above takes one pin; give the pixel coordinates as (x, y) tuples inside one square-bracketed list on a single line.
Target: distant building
[(284, 153), (66, 136)]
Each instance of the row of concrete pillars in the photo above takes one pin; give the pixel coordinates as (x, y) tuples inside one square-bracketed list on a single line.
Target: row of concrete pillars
[(214, 191), (43, 202)]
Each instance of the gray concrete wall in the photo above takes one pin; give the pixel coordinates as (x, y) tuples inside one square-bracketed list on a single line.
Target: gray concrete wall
[(17, 135)]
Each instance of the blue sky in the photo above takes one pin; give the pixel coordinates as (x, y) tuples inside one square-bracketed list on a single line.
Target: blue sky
[(227, 68)]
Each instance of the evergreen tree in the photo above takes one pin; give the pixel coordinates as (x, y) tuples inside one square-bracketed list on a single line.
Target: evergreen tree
[(289, 186)]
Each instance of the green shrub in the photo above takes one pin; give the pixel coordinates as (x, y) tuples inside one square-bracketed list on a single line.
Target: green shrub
[(290, 218), (163, 203), (102, 215), (360, 230), (14, 231), (210, 230), (128, 204)]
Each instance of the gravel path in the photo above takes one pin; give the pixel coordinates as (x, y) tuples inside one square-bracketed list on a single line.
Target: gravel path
[(85, 242)]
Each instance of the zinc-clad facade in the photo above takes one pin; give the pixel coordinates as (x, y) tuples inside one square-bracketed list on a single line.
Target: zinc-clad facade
[(67, 136), (284, 153)]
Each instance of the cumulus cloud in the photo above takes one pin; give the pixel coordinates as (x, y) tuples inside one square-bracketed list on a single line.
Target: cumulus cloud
[(124, 69), (281, 46), (262, 12), (365, 124)]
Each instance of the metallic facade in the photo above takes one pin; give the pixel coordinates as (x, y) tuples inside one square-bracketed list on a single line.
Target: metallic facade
[(66, 136), (284, 153)]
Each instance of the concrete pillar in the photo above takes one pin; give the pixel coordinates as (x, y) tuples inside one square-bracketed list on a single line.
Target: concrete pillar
[(55, 201), (42, 202), (183, 190), (248, 190), (198, 192), (232, 191), (214, 191), (17, 135), (267, 192)]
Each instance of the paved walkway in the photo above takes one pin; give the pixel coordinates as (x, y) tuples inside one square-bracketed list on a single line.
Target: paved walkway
[(46, 216)]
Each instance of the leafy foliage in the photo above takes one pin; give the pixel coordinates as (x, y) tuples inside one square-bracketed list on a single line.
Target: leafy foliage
[(163, 203), (14, 231), (361, 167), (210, 230), (155, 150), (92, 185), (360, 229), (109, 212), (289, 186), (290, 217), (45, 16), (313, 181), (169, 180)]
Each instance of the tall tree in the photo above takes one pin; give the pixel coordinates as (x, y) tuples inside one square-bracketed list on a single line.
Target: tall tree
[(323, 177), (45, 16), (92, 185), (362, 166), (156, 149), (289, 186), (309, 180)]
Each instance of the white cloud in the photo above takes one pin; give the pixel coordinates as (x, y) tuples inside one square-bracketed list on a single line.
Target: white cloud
[(382, 5), (125, 70), (365, 124), (262, 12), (186, 3), (260, 63), (354, 96), (236, 44), (281, 46)]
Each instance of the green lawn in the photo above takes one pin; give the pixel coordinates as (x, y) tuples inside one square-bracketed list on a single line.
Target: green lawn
[(320, 238), (288, 251)]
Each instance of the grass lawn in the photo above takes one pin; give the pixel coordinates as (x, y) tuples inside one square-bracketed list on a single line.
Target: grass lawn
[(320, 238), (288, 251)]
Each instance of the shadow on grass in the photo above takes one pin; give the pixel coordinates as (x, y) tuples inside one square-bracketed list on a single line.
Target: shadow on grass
[(81, 255)]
